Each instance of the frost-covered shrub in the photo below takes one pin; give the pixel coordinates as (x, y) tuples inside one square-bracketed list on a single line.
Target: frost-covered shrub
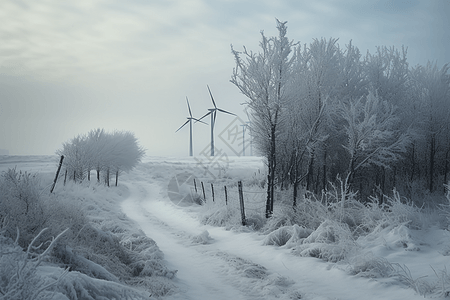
[(23, 206), (329, 232), (331, 241), (403, 211), (20, 205), (222, 216), (286, 215), (19, 277), (279, 237), (373, 214), (369, 265), (255, 221), (391, 237), (103, 255), (289, 236), (76, 286)]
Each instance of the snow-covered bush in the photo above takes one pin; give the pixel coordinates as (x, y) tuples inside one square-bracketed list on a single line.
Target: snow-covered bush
[(227, 216), (402, 211), (76, 286), (255, 221), (19, 278), (24, 207), (289, 236), (369, 265), (279, 237), (331, 241), (20, 205)]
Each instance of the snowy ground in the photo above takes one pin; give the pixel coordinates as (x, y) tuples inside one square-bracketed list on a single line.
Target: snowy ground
[(216, 263)]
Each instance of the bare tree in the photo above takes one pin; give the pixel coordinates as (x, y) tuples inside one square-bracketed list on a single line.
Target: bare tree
[(264, 77)]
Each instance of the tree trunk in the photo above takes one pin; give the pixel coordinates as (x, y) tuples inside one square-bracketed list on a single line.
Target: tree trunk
[(271, 174), (107, 177), (117, 177), (431, 163), (351, 170), (446, 167), (324, 170), (413, 162), (295, 185), (309, 180)]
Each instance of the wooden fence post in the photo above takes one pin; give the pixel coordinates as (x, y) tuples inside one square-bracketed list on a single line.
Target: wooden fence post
[(203, 188), (57, 173), (226, 196), (212, 191), (241, 200)]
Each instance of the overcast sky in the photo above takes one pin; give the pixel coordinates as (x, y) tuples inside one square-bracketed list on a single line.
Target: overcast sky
[(67, 67)]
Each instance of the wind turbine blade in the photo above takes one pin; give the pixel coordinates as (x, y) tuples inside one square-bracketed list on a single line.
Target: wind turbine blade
[(212, 98), (224, 111), (189, 107), (215, 113), (182, 125), (197, 120), (204, 116)]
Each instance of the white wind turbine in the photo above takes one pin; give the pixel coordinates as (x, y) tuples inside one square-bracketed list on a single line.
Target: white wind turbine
[(213, 112), (189, 120)]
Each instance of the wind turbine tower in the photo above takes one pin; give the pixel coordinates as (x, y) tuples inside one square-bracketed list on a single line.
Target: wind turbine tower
[(189, 120), (213, 112)]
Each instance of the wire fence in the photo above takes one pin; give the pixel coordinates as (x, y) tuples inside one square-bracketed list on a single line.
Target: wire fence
[(249, 200)]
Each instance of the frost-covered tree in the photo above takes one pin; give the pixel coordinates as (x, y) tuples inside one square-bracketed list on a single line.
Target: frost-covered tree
[(75, 153), (125, 153), (319, 111), (431, 89), (387, 73), (372, 137), (102, 151), (264, 77), (320, 82)]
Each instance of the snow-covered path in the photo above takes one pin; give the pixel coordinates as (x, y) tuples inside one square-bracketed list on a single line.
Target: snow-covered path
[(196, 275), (231, 265)]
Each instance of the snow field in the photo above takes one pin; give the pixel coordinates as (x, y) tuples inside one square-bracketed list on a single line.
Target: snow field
[(377, 254)]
